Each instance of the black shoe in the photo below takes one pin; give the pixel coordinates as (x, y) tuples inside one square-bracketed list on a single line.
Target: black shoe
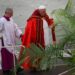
[(20, 71)]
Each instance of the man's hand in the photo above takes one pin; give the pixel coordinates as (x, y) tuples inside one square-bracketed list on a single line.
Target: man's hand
[(52, 26), (21, 36)]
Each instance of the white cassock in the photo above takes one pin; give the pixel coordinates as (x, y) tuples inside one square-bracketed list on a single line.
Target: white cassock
[(47, 33), (9, 30)]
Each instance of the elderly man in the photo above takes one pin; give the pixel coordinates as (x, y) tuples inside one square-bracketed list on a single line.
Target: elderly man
[(9, 31), (34, 31)]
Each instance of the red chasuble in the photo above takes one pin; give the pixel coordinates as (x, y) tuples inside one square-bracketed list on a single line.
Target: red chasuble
[(34, 33)]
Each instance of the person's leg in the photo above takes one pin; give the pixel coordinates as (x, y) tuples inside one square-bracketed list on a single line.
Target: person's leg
[(7, 61), (7, 72)]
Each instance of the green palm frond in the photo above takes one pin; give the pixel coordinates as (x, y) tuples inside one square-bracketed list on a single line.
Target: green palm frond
[(65, 16), (61, 17), (47, 57), (70, 7)]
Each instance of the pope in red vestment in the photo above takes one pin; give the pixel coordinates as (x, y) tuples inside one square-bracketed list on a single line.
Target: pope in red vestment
[(34, 32)]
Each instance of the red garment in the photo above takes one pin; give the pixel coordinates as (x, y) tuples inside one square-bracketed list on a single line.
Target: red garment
[(34, 33)]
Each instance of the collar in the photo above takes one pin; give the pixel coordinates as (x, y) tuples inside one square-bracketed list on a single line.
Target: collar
[(7, 18)]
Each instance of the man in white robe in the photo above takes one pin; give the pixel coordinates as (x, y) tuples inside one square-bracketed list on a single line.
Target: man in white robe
[(8, 33)]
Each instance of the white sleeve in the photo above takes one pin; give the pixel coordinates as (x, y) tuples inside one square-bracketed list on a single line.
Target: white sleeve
[(18, 32), (1, 26)]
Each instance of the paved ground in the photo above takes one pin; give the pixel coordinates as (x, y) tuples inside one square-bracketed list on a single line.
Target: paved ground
[(61, 70)]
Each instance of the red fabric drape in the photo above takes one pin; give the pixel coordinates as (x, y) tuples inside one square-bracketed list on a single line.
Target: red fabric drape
[(34, 33)]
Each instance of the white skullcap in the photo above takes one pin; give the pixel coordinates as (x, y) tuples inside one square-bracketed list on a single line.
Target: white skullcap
[(42, 7)]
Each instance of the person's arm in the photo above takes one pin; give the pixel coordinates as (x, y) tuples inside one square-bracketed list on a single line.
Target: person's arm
[(1, 25), (53, 35), (52, 26), (1, 28), (51, 23), (18, 32)]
